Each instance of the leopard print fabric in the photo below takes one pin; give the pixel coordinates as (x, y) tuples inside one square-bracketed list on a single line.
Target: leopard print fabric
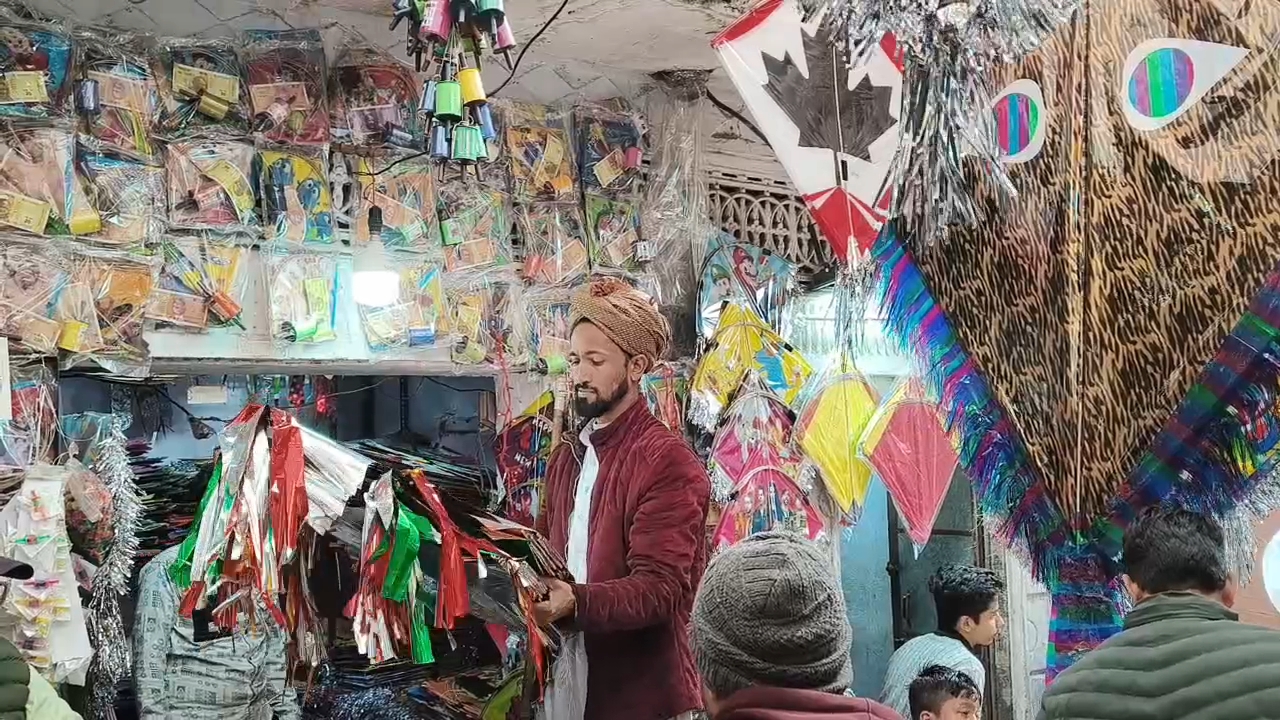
[(1092, 318)]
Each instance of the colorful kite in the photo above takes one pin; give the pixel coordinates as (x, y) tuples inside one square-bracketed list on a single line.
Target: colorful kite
[(767, 499), (756, 432), (834, 129), (911, 454), (743, 274), (831, 423)]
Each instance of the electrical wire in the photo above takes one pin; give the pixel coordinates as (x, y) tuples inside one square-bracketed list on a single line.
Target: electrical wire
[(734, 114), (515, 67)]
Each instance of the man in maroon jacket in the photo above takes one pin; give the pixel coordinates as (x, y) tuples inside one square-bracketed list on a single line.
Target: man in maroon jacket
[(626, 501)]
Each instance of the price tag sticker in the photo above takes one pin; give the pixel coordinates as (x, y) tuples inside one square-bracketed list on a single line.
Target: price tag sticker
[(23, 86), (24, 213)]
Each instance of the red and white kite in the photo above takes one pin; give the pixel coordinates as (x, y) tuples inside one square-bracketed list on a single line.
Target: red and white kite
[(834, 129)]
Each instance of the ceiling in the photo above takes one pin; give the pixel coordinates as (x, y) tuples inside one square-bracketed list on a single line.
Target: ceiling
[(595, 49)]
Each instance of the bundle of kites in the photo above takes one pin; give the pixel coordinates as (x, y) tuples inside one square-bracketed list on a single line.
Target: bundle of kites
[(412, 525), (792, 449)]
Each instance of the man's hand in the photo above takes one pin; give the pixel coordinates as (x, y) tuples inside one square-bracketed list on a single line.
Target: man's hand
[(560, 603)]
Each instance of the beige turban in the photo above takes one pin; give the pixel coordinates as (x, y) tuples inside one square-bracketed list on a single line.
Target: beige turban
[(626, 315)]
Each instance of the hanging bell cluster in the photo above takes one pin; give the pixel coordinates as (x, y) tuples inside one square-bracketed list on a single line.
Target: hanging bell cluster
[(436, 24), (456, 113)]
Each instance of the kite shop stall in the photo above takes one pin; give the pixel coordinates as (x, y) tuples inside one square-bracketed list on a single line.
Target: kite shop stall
[(980, 164)]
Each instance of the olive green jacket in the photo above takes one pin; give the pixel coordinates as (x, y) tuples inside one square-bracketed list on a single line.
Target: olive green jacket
[(1181, 656), (24, 695)]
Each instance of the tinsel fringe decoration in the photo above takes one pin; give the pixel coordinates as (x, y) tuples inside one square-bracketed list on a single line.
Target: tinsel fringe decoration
[(1005, 484), (949, 49), (112, 660)]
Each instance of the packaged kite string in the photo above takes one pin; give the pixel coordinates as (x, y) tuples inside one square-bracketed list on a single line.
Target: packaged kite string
[(30, 436), (200, 87), (202, 284), (475, 226), (539, 151), (417, 319), (487, 319), (130, 198), (116, 96), (297, 205), (555, 251), (302, 287), (549, 328), (613, 231), (610, 148), (375, 98), (403, 188), (36, 57), (102, 308), (32, 279), (40, 191), (211, 186), (288, 90)]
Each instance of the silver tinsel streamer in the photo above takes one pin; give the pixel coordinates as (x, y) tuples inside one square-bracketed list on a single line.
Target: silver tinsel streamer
[(949, 51), (112, 661)]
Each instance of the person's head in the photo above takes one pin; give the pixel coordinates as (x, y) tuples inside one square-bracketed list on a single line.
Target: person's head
[(1172, 549), (941, 693), (617, 336), (967, 599), (770, 612)]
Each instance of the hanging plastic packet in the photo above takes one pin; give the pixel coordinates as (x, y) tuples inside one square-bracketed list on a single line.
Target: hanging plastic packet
[(29, 437), (202, 284), (610, 149), (415, 320), (40, 192), (613, 227), (116, 96), (200, 87), (549, 329), (37, 57), (475, 226), (303, 290), (403, 188), (539, 151), (486, 319), (32, 280), (130, 198), (102, 309), (211, 186), (373, 97), (554, 249), (288, 90), (297, 206)]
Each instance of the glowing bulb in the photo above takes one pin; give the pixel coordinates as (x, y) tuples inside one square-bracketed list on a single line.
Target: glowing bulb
[(373, 283)]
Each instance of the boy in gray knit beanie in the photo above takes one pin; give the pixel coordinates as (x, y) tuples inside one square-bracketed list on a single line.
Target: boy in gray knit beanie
[(770, 635)]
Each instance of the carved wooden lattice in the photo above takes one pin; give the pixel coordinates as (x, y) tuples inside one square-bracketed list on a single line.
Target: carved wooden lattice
[(767, 213)]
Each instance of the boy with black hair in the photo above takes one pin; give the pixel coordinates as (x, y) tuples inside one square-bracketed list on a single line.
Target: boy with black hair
[(967, 599), (940, 693), (1182, 653)]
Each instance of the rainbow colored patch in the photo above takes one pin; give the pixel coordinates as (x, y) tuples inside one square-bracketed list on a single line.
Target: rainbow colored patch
[(1017, 119), (1162, 82)]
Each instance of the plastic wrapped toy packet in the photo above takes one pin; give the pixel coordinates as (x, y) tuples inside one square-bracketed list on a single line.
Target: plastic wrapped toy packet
[(613, 227), (486, 320), (211, 186), (296, 199), (202, 284), (117, 98), (370, 92), (555, 251), (417, 319), (539, 152), (287, 88), (101, 310), (200, 87), (549, 328), (403, 188), (32, 279), (36, 57), (475, 226), (40, 192), (130, 198), (610, 149), (303, 289)]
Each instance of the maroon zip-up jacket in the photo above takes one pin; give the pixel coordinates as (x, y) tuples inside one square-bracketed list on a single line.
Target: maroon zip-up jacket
[(645, 555), (773, 703)]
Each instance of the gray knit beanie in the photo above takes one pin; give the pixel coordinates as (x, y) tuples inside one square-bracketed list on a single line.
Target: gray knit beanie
[(770, 612)]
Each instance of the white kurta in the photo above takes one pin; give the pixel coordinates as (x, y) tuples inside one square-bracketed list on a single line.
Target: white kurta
[(566, 697)]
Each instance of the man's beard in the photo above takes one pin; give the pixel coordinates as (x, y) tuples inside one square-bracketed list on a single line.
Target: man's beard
[(592, 409)]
